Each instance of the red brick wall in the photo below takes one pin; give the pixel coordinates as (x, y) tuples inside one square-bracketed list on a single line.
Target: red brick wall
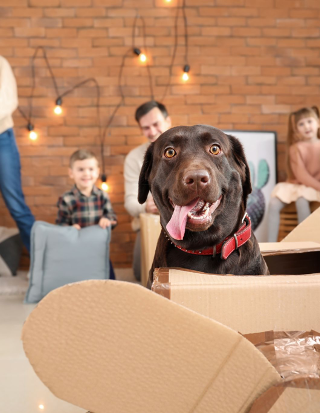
[(252, 62)]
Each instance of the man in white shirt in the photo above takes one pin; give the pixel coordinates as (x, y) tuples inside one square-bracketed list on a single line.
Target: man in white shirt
[(153, 120), (10, 175)]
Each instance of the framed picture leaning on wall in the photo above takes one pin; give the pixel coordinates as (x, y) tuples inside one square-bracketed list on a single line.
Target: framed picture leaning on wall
[(261, 151)]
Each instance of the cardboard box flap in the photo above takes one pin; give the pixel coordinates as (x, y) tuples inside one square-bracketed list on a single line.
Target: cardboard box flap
[(109, 346), (288, 247), (297, 396), (247, 304), (308, 230)]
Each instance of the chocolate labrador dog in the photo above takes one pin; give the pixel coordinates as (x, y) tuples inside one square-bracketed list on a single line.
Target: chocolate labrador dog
[(200, 180)]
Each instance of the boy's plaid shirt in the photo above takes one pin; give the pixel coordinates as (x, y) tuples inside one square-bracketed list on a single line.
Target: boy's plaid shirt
[(76, 208)]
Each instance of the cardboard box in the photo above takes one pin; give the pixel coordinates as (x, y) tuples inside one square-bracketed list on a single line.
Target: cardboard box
[(109, 346), (149, 232), (286, 300)]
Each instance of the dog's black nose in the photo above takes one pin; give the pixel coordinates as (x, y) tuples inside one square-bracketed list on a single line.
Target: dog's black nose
[(196, 179)]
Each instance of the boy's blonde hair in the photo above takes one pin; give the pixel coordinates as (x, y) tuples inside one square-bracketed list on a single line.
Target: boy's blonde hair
[(293, 134), (81, 155)]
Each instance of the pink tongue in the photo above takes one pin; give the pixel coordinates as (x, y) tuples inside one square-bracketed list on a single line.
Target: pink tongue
[(177, 225)]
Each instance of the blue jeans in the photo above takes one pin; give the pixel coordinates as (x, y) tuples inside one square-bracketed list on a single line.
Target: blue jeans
[(10, 185)]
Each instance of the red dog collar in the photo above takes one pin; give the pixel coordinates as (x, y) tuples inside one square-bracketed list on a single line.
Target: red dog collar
[(228, 245)]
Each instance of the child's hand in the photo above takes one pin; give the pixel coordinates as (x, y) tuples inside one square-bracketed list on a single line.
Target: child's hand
[(76, 226), (105, 222)]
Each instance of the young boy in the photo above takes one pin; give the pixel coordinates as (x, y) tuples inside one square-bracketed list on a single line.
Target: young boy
[(85, 204)]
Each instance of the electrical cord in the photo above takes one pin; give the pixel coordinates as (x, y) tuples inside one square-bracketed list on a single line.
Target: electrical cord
[(103, 132), (144, 47), (173, 53), (186, 43), (33, 77)]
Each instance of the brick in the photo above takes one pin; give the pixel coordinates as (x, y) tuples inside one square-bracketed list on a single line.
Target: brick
[(29, 31), (46, 22), (216, 31), (11, 22), (14, 3), (108, 22), (44, 3), (284, 109), (92, 12), (75, 3), (260, 99), (246, 31), (61, 33), (308, 32), (108, 3), (276, 32), (59, 12), (78, 22)]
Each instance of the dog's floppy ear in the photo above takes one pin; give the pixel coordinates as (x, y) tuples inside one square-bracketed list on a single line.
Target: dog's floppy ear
[(241, 161), (144, 187)]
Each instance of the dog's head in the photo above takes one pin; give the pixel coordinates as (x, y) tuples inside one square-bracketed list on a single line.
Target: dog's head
[(200, 181)]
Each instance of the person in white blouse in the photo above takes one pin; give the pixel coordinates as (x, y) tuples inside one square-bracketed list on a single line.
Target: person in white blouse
[(153, 120), (10, 168)]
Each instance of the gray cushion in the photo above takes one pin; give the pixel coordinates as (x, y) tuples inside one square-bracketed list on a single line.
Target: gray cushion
[(62, 255), (10, 250)]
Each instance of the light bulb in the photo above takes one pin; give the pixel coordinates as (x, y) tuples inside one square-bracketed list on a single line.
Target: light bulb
[(33, 135), (104, 187), (185, 76), (58, 110), (142, 57), (41, 406)]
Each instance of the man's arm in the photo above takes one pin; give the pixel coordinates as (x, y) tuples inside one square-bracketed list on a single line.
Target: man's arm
[(8, 89), (131, 180)]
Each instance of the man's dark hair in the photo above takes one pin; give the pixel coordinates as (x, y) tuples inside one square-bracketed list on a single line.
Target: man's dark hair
[(146, 107)]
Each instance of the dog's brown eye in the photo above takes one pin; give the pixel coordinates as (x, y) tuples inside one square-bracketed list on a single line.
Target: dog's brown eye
[(169, 153), (215, 149)]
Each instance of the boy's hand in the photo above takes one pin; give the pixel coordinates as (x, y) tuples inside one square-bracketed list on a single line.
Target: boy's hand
[(76, 226), (105, 222)]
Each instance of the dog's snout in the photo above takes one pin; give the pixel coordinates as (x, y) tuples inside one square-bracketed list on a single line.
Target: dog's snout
[(196, 179)]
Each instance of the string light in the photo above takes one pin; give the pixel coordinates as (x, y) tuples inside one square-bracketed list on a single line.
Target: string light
[(104, 185), (143, 58), (141, 55), (58, 110), (185, 75), (32, 134)]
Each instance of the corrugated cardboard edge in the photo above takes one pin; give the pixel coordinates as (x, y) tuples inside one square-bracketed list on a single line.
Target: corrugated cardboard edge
[(161, 284), (272, 249), (266, 401), (161, 280), (308, 230)]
